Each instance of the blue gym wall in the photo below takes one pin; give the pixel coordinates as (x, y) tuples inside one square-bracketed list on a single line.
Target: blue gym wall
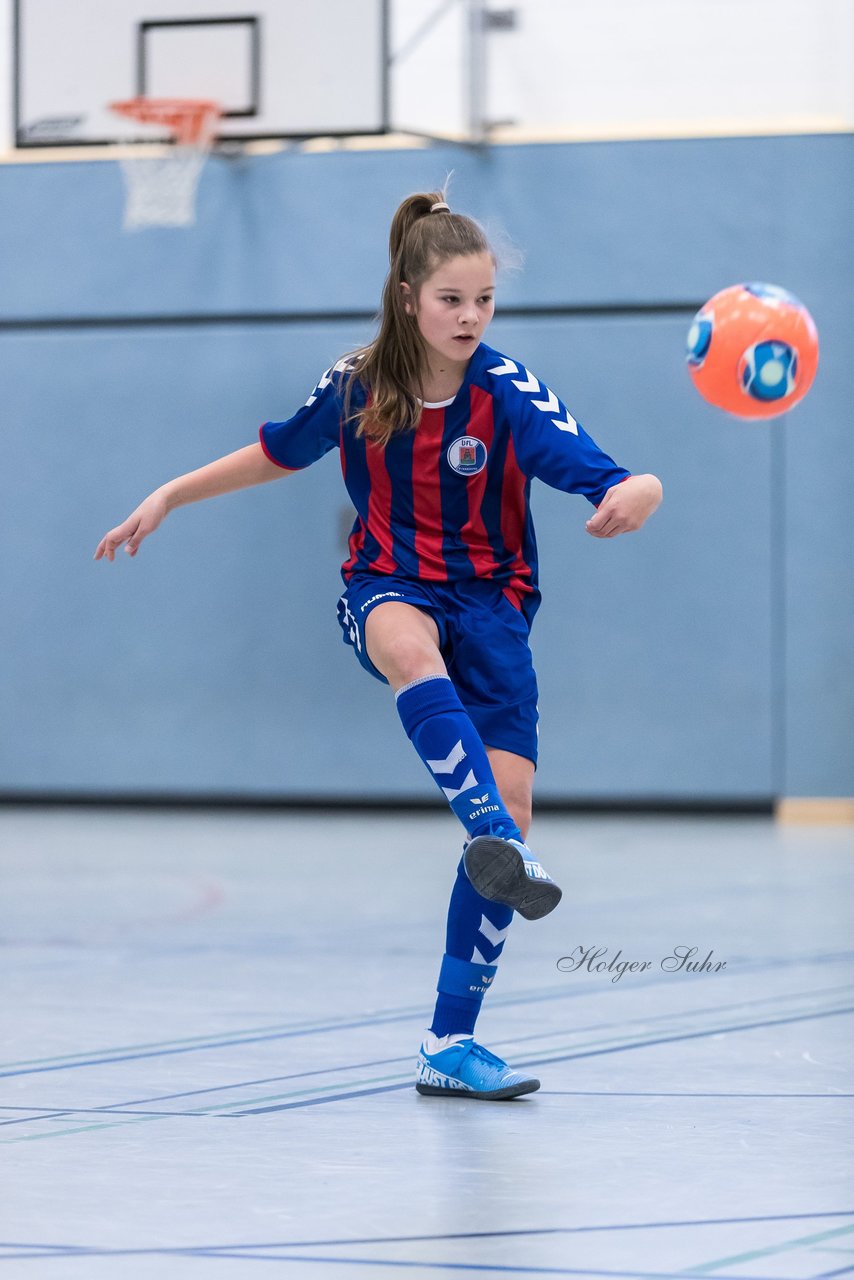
[(707, 657)]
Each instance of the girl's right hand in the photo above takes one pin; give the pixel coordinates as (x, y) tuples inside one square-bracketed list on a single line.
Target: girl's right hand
[(147, 517)]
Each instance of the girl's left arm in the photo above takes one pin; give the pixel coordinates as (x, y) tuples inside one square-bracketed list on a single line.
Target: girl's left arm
[(549, 443), (626, 506)]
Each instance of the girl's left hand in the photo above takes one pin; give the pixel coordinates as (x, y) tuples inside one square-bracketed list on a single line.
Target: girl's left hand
[(626, 506)]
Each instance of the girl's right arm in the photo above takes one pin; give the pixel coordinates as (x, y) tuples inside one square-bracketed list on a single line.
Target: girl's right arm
[(235, 471)]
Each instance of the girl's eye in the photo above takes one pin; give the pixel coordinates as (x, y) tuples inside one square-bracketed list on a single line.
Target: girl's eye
[(454, 300)]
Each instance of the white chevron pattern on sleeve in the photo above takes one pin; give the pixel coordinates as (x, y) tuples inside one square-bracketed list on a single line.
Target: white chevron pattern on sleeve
[(507, 367), (325, 379), (566, 424), (552, 405), (530, 384)]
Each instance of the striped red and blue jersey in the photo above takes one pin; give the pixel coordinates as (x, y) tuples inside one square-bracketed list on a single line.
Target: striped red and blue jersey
[(450, 500)]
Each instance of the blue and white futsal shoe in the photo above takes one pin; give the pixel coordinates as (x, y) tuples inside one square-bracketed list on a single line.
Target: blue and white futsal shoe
[(506, 871), (458, 1067)]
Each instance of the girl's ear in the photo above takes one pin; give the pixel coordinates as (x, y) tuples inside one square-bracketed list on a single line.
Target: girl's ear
[(408, 300)]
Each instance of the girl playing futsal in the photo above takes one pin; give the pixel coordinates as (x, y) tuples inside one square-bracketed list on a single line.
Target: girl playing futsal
[(440, 437)]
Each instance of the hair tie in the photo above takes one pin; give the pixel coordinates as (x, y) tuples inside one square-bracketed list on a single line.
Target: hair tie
[(440, 204)]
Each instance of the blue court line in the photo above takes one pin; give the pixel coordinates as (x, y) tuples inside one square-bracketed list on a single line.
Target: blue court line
[(504, 1269), (46, 1113), (121, 1108), (44, 1250), (330, 1097), (209, 1041), (17, 1257), (302, 1029), (252, 1251), (534, 995), (688, 1035), (826, 1275), (446, 1236), (620, 1093), (209, 1044), (514, 1040), (348, 1095), (54, 1113), (106, 1108), (293, 1075), (200, 1043), (37, 1251), (704, 1010), (569, 1057), (536, 1062)]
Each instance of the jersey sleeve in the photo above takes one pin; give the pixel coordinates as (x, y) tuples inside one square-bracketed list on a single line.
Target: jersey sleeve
[(548, 441), (313, 430)]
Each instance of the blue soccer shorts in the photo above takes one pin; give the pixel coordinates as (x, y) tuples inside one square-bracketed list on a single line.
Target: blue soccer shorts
[(483, 639)]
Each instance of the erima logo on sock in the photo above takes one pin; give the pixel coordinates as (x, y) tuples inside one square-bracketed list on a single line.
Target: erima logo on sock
[(487, 981), (487, 808)]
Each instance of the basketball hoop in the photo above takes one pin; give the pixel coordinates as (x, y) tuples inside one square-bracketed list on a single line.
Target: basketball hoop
[(161, 190)]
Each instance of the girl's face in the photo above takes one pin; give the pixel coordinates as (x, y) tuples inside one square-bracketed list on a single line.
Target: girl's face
[(453, 307)]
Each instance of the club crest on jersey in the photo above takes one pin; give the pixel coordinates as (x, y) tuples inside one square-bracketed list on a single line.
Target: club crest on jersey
[(467, 455)]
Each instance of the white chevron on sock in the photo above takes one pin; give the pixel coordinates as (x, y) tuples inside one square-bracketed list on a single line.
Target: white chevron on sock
[(455, 756), (471, 781), (489, 931)]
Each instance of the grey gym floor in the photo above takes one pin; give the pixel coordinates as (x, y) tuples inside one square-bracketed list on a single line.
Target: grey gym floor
[(210, 1022)]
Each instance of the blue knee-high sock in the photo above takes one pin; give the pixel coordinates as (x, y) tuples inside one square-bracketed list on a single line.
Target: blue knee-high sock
[(475, 939), (439, 727)]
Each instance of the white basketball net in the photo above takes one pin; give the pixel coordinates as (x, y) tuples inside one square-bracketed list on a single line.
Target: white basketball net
[(161, 189)]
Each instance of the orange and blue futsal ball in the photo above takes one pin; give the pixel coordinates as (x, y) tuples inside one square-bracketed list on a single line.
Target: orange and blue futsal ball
[(753, 350)]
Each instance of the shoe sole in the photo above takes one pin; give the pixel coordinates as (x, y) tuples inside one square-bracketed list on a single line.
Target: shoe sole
[(496, 1095), (497, 871)]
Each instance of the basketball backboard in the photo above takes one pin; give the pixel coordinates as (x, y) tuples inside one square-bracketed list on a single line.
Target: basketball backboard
[(280, 68)]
